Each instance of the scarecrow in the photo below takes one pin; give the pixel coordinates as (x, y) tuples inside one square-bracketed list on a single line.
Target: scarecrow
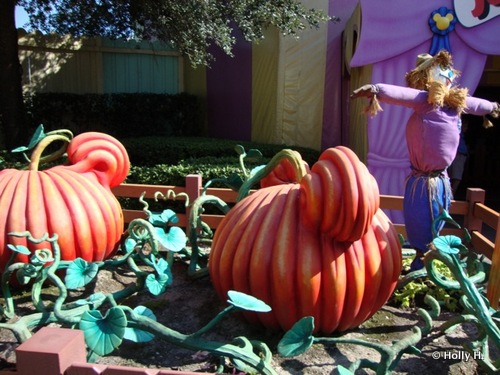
[(432, 136)]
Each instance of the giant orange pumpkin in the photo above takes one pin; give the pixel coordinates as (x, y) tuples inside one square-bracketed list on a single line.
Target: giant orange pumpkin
[(319, 247), (73, 201)]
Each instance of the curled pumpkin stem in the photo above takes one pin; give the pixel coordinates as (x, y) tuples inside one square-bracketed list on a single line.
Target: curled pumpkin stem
[(292, 156), (36, 155)]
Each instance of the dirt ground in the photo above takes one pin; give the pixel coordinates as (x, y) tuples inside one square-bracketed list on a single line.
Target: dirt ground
[(189, 304)]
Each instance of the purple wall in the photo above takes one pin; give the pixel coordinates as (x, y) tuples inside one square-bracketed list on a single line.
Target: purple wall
[(229, 93)]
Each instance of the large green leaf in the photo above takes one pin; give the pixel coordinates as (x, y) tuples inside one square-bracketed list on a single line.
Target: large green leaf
[(246, 302), (103, 334), (157, 284), (173, 240), (80, 273), (298, 339), (138, 335), (448, 244)]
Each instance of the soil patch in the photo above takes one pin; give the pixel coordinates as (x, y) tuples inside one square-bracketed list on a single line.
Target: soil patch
[(190, 303)]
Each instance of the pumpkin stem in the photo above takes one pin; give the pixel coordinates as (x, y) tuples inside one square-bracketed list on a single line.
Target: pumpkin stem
[(36, 155), (293, 157)]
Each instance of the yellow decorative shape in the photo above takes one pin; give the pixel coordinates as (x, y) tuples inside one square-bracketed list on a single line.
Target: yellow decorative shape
[(442, 23)]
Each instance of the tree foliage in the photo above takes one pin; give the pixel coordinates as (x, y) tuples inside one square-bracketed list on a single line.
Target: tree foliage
[(189, 25)]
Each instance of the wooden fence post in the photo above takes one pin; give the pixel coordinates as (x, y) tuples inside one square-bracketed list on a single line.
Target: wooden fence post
[(474, 195), (193, 187), (50, 351)]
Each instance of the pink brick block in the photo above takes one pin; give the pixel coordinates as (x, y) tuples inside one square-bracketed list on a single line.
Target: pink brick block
[(85, 369), (50, 351), (122, 370)]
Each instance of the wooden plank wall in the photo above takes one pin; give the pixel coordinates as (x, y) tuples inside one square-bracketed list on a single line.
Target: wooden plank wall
[(53, 63)]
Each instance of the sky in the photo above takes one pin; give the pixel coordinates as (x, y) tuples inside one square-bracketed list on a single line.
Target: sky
[(21, 17)]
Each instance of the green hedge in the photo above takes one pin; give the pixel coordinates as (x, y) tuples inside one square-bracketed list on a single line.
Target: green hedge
[(124, 115), (168, 160), (151, 151)]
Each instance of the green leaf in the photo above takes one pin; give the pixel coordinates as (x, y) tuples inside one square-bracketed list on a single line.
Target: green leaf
[(156, 219), (80, 273), (103, 334), (240, 150), (443, 216), (37, 137), (169, 216), (174, 240), (234, 181), (247, 302), (298, 339), (448, 244), (253, 155), (162, 267), (138, 335), (19, 249), (130, 244), (344, 371), (157, 284)]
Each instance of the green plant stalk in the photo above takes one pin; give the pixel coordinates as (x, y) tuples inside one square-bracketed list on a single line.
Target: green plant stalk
[(213, 322), (22, 327), (481, 310), (196, 224), (8, 309), (136, 232), (197, 344), (389, 355)]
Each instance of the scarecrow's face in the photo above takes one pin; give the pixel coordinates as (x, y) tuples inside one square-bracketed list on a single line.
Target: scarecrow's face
[(443, 73)]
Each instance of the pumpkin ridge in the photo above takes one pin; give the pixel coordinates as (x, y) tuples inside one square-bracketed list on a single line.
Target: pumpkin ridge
[(391, 266), (8, 183), (310, 191), (333, 209), (16, 221), (243, 254), (112, 215), (81, 226), (393, 240), (373, 272), (309, 272), (91, 206), (333, 285), (350, 195), (284, 267), (220, 260), (7, 195), (36, 218), (260, 262), (365, 190), (58, 220), (355, 280)]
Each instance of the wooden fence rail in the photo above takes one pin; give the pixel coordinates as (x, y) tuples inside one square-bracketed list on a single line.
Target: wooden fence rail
[(480, 220)]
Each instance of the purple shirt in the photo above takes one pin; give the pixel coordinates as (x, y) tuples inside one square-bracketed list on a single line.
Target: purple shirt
[(432, 133)]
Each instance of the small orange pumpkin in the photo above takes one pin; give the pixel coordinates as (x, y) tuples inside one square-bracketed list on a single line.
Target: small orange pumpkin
[(320, 247), (73, 201)]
